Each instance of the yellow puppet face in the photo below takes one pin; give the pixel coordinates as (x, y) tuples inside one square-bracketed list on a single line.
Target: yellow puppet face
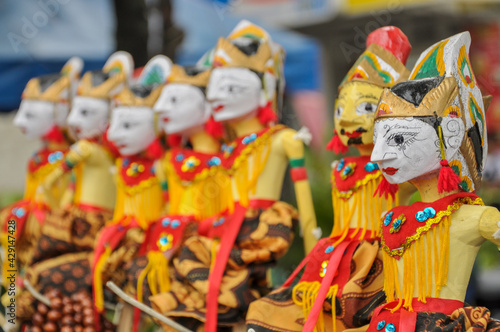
[(355, 111)]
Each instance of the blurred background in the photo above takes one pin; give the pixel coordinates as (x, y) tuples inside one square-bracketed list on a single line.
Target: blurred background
[(322, 39)]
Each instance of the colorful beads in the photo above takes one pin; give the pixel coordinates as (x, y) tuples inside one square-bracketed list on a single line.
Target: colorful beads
[(370, 167), (219, 222), (388, 218), (55, 157), (390, 328), (179, 157), (214, 161), (329, 249), (125, 162), (249, 139), (425, 214), (380, 325), (396, 225), (323, 269), (340, 165), (190, 164), (135, 169), (165, 241), (175, 224)]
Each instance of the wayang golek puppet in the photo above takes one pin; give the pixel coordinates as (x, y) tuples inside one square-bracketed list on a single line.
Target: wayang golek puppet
[(73, 228), (197, 186), (139, 196), (431, 132), (328, 287), (225, 265), (42, 116)]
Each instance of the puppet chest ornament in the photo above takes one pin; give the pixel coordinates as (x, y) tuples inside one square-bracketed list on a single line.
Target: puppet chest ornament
[(193, 174), (419, 234)]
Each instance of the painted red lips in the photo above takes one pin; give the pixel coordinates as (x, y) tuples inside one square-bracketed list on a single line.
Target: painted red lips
[(218, 108), (390, 170)]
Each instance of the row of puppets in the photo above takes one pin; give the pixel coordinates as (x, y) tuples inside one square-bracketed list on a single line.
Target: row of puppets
[(171, 191)]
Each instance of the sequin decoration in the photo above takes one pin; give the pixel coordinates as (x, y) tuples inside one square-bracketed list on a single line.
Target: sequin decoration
[(322, 272), (214, 161), (380, 325), (249, 139), (55, 157), (135, 169), (348, 171), (190, 164), (370, 167), (396, 225), (388, 218), (165, 241), (329, 249)]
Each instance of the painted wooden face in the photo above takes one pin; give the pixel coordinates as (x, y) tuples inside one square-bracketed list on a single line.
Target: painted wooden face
[(181, 107), (131, 129), (35, 118), (405, 148), (355, 112), (88, 117), (234, 93)]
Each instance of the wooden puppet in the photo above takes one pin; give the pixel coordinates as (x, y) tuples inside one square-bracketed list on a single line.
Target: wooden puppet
[(225, 266), (431, 132), (198, 187), (343, 274), (74, 228), (139, 197), (42, 115)]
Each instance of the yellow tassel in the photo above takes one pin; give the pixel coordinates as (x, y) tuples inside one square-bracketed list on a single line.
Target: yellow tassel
[(429, 263), (309, 291), (140, 280), (98, 285), (396, 283)]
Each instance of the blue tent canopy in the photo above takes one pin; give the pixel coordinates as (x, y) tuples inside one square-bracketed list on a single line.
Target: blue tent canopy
[(204, 21)]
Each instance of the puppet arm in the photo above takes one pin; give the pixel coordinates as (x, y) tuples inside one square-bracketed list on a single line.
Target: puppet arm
[(78, 152), (294, 149), (489, 225)]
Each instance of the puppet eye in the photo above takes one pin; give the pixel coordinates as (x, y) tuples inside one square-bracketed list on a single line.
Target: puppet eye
[(402, 139), (366, 108), (338, 111)]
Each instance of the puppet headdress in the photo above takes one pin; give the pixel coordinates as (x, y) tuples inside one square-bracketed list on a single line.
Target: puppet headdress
[(383, 61), (106, 83)]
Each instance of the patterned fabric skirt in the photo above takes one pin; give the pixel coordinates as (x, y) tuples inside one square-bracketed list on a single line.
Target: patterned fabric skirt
[(69, 273), (70, 230), (437, 315), (265, 235), (354, 302)]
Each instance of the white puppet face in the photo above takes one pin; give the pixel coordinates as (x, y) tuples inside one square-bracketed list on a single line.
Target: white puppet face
[(181, 107), (35, 118), (88, 117), (234, 93), (405, 149), (131, 129)]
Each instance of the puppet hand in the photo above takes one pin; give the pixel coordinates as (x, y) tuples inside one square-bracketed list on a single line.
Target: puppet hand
[(496, 235), (304, 135)]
